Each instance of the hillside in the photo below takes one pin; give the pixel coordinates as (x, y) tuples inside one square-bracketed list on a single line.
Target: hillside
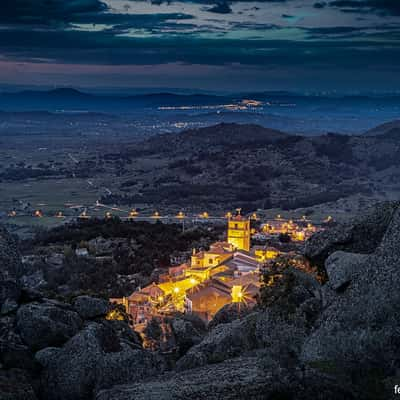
[(386, 128), (251, 166), (215, 138)]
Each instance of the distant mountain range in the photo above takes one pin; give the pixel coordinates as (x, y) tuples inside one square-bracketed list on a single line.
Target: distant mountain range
[(289, 112), (72, 99)]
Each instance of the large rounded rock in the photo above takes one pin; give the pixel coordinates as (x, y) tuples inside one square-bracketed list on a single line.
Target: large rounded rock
[(362, 235), (47, 324), (229, 313), (236, 379), (187, 331), (91, 307), (223, 342), (93, 359), (359, 330), (342, 267), (231, 380), (14, 353)]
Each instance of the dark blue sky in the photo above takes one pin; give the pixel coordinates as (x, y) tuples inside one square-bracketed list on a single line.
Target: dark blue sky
[(212, 45)]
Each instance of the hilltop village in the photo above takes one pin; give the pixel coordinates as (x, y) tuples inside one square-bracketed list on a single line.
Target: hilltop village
[(227, 272)]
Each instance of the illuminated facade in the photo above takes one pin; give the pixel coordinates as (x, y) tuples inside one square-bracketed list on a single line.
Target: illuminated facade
[(239, 233)]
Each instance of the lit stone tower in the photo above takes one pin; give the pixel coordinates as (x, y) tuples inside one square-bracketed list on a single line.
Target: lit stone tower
[(239, 232)]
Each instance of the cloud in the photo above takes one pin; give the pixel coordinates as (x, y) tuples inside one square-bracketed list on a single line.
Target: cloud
[(47, 12), (383, 7), (220, 8), (278, 36)]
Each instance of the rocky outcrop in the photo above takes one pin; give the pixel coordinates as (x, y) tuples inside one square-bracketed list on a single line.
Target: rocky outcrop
[(54, 350), (341, 267), (187, 331), (15, 384), (17, 367), (93, 359), (235, 379), (263, 328), (47, 324), (10, 272), (229, 313), (339, 341), (223, 342), (358, 332), (90, 307), (362, 235)]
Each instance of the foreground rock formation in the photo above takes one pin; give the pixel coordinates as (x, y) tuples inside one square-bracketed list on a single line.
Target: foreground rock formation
[(54, 350), (336, 341)]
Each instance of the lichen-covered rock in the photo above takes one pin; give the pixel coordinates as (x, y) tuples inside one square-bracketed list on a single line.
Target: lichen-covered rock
[(341, 267), (231, 380), (283, 325), (359, 330), (47, 324), (187, 333), (362, 235), (15, 384), (10, 269), (223, 342), (236, 379), (229, 313), (91, 307), (91, 360), (14, 353)]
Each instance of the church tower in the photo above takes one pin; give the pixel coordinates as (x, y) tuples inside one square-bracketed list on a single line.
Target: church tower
[(239, 232)]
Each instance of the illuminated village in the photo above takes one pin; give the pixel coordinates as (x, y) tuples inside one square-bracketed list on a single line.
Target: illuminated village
[(228, 272)]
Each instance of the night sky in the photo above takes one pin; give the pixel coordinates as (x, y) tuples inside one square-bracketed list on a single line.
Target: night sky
[(347, 45)]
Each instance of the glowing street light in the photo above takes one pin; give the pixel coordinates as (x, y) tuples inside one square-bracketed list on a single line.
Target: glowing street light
[(156, 215), (133, 213), (204, 215), (180, 215), (84, 215), (228, 215), (108, 215), (38, 214)]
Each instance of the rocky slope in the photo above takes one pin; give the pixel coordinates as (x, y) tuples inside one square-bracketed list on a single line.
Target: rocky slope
[(338, 341), (335, 341), (57, 350)]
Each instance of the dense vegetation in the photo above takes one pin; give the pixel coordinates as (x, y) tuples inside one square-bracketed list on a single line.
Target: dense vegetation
[(136, 250)]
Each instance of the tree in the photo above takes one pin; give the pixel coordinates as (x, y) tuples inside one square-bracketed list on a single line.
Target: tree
[(277, 284)]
